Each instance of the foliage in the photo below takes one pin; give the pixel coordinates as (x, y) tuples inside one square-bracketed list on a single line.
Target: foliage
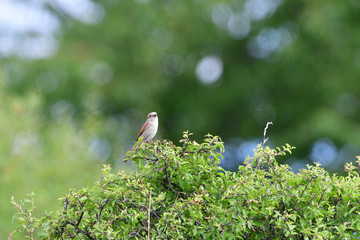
[(181, 193), (37, 155), (144, 56)]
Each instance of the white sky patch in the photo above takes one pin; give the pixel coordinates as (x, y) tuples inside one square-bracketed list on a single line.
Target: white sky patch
[(82, 10), (20, 17), (29, 30)]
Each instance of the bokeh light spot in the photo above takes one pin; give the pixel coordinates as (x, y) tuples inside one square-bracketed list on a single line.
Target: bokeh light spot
[(357, 58), (143, 1), (323, 151), (101, 73), (220, 14), (260, 9), (238, 26), (209, 69), (173, 65), (47, 82), (23, 141), (62, 110), (347, 104), (246, 149), (298, 165), (268, 41), (101, 148), (263, 113), (14, 73), (161, 39)]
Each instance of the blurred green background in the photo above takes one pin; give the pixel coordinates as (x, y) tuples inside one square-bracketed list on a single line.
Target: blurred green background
[(77, 79)]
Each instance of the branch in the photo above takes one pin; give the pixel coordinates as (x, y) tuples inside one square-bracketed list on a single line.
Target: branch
[(149, 214), (78, 229), (101, 210), (307, 185)]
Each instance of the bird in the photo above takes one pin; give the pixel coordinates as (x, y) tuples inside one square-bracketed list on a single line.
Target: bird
[(150, 127)]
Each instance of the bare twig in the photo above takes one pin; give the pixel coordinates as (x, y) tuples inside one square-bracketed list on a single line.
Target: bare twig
[(266, 128), (66, 203), (101, 210), (79, 230), (11, 234), (303, 191), (149, 210)]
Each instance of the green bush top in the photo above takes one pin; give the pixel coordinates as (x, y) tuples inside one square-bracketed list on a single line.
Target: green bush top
[(180, 192)]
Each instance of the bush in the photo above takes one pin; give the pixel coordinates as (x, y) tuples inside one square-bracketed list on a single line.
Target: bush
[(180, 192)]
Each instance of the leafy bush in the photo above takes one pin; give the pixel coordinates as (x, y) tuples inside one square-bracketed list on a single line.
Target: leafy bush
[(181, 193)]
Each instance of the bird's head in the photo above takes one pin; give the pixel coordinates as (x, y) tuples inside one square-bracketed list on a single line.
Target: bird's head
[(152, 115)]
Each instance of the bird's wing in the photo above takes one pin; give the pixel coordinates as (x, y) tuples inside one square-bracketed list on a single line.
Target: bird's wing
[(146, 124)]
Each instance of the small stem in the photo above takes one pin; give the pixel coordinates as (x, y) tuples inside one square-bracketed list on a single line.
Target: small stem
[(149, 215)]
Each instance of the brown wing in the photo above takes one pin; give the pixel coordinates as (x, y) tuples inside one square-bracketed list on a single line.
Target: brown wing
[(142, 129)]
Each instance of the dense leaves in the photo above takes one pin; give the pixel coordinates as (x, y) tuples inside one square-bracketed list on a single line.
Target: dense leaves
[(180, 192)]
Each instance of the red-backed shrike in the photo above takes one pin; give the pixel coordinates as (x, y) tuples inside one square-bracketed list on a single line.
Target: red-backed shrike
[(149, 128)]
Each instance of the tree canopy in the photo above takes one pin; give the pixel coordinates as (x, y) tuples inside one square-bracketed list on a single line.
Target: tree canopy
[(181, 193)]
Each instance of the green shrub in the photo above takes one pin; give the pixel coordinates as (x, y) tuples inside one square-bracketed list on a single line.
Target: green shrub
[(180, 192)]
